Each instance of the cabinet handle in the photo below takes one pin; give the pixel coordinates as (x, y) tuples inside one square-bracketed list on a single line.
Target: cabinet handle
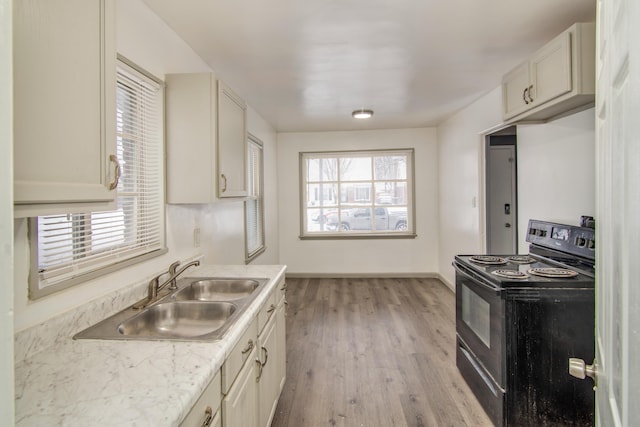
[(266, 355), (271, 309), (259, 370), (284, 287), (208, 417), (529, 93), (224, 187), (524, 95), (249, 347), (118, 172)]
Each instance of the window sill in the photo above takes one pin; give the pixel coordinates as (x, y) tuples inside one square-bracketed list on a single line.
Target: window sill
[(353, 236)]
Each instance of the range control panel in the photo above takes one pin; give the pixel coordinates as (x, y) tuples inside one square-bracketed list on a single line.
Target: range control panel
[(566, 238)]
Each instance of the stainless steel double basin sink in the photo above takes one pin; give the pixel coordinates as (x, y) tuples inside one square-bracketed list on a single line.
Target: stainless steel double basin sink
[(201, 309)]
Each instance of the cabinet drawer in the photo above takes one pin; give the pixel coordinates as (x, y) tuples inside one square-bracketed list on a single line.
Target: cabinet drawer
[(206, 406), (267, 310), (281, 291), (239, 355)]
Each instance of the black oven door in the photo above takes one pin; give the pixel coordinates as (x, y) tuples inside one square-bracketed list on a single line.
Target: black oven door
[(480, 321)]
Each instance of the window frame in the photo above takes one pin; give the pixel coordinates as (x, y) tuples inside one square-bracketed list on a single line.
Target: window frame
[(361, 234), (255, 182), (125, 258)]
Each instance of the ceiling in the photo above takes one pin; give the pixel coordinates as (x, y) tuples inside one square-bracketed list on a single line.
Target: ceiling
[(305, 65)]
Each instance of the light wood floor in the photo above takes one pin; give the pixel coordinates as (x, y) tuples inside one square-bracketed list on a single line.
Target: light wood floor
[(375, 353)]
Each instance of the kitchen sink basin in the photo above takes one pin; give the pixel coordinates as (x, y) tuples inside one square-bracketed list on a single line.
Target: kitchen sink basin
[(200, 309), (216, 290), (180, 319)]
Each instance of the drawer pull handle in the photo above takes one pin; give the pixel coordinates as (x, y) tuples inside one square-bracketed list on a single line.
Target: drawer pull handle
[(284, 287), (208, 417), (271, 309), (249, 347), (266, 356)]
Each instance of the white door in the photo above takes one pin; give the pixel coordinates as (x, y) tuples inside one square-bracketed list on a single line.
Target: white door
[(618, 213)]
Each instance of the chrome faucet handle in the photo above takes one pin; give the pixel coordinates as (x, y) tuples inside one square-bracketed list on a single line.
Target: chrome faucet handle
[(153, 287), (152, 293), (172, 273)]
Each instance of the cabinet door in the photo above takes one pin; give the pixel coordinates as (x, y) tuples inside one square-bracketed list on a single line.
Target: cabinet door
[(191, 137), (64, 103), (281, 345), (232, 143), (239, 407), (515, 91), (550, 69), (268, 382)]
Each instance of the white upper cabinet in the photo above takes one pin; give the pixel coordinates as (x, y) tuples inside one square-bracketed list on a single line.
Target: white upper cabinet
[(191, 137), (206, 140), (64, 106), (558, 78), (232, 143)]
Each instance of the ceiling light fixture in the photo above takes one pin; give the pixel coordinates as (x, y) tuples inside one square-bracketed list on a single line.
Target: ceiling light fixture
[(362, 114)]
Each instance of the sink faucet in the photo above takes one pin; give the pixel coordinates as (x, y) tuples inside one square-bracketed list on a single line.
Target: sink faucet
[(154, 284)]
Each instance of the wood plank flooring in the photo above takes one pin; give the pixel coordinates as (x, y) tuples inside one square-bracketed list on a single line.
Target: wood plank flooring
[(375, 353)]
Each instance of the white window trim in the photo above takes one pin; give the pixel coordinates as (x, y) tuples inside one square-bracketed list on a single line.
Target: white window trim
[(327, 235), (256, 185)]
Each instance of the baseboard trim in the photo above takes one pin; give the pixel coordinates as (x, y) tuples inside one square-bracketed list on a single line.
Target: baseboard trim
[(363, 275), (447, 283)]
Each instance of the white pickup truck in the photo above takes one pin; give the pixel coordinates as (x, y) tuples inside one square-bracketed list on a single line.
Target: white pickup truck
[(360, 219)]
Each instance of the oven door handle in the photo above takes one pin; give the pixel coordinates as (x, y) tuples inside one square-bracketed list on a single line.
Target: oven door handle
[(477, 280)]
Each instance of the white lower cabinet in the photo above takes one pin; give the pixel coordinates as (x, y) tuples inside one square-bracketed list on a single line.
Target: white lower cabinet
[(254, 372), (281, 361), (268, 381), (240, 403), (205, 413)]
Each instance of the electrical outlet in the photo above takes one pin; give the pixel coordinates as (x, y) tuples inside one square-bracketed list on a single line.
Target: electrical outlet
[(196, 237)]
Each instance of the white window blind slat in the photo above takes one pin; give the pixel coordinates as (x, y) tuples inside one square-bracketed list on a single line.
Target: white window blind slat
[(72, 245)]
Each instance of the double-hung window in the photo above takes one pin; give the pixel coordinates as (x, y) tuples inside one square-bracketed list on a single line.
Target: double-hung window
[(357, 194), (254, 204), (70, 248)]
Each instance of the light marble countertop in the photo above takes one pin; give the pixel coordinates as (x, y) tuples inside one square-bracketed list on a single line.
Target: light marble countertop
[(128, 383)]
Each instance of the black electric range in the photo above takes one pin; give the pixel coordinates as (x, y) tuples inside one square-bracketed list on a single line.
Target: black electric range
[(519, 318)]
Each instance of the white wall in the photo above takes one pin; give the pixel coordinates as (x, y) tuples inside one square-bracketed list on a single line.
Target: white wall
[(146, 40), (556, 171), (556, 179), (6, 219), (459, 156), (383, 256)]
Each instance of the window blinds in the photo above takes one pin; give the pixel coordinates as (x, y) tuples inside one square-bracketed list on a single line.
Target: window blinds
[(72, 245)]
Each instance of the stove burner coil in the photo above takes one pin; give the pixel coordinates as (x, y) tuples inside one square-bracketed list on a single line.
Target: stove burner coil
[(487, 260), (521, 259), (510, 274), (553, 272)]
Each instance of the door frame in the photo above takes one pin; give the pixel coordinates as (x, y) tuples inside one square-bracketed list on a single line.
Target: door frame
[(481, 201), (490, 145)]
